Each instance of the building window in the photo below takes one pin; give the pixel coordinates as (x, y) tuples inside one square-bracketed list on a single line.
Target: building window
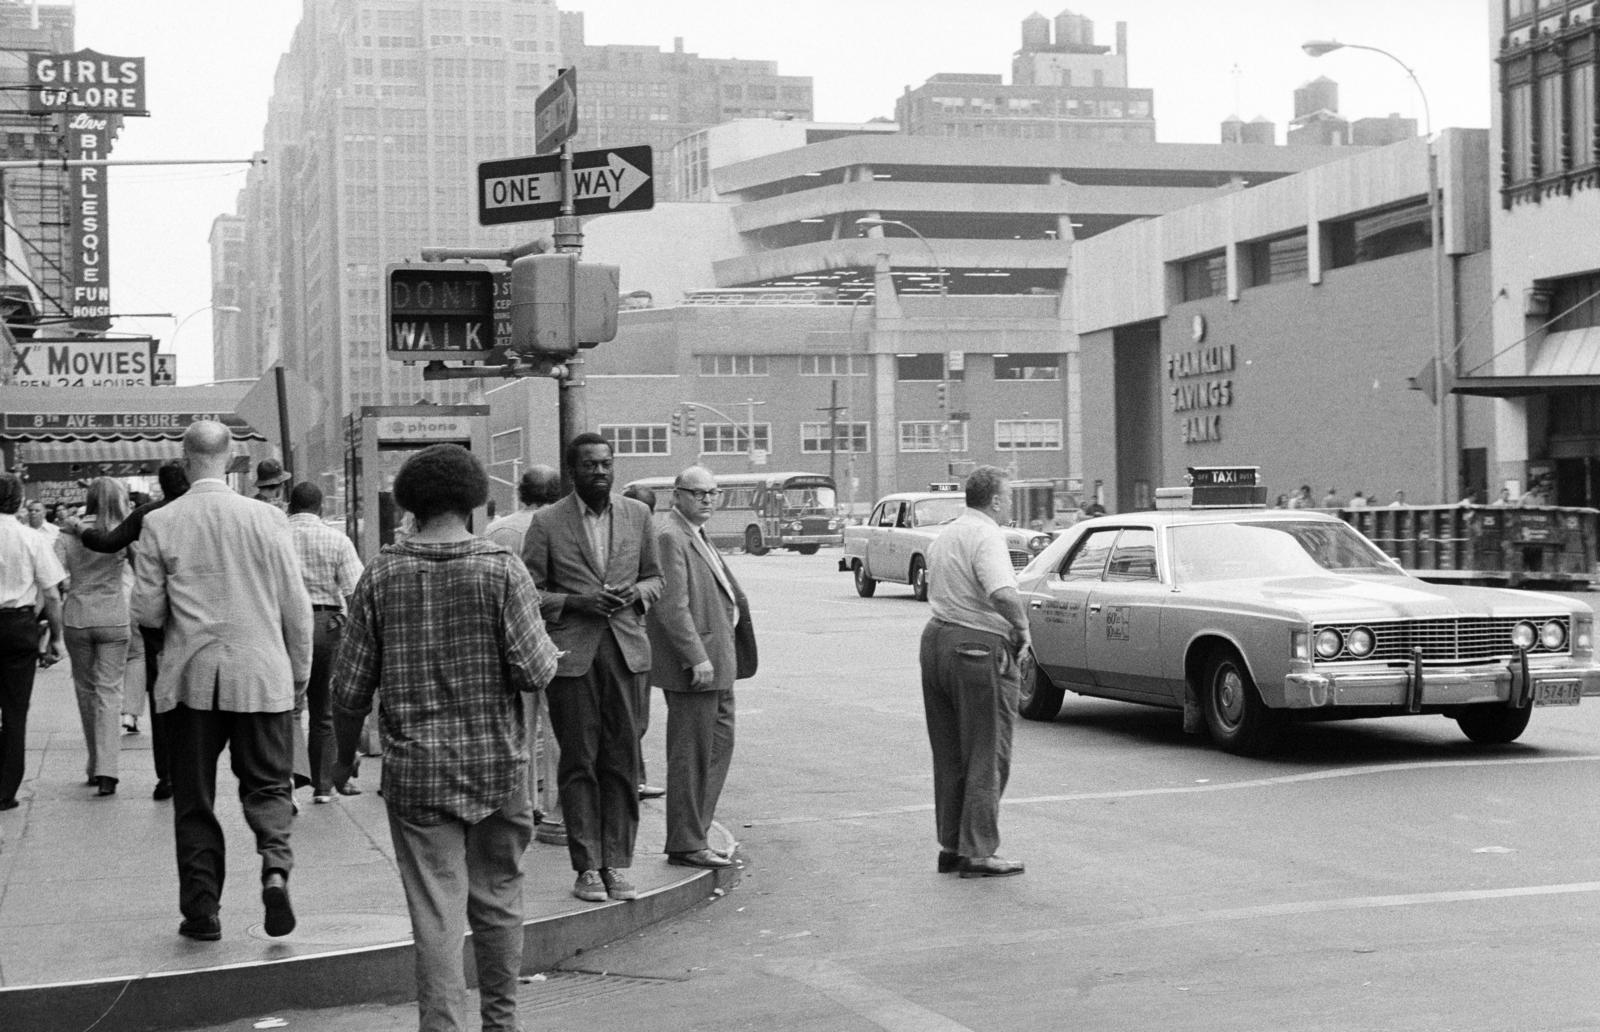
[(833, 365), (848, 437), (1574, 302), (733, 365), (923, 435), (1027, 367), (1027, 434), (1205, 276), (637, 438), (1547, 102), (1276, 261), (1383, 234), (733, 439), (919, 367)]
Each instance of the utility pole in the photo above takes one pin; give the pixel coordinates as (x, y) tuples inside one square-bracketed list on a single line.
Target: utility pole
[(833, 409), (571, 419)]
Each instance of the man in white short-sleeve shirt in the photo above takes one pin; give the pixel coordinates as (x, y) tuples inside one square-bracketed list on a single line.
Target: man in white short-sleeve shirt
[(971, 677), (30, 579)]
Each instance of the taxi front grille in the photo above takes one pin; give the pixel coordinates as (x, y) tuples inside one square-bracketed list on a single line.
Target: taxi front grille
[(1020, 558), (1469, 639)]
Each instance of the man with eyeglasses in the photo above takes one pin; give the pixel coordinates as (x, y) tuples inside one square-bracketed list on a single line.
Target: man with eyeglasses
[(593, 557), (693, 640)]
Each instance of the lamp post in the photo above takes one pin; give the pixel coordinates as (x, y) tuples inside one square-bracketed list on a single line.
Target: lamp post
[(871, 221), (1441, 351), (178, 326)]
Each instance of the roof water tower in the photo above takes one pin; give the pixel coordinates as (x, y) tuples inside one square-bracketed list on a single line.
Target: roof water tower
[(1035, 32)]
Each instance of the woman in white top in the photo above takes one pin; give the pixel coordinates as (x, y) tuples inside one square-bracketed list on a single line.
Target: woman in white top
[(96, 617)]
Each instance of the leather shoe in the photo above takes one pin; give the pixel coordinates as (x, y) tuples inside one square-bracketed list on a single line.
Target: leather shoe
[(163, 790), (9, 804), (205, 929), (651, 792), (989, 867), (275, 898), (699, 858), (106, 785), (948, 861)]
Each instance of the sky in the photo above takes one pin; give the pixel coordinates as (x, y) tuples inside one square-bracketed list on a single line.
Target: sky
[(210, 65)]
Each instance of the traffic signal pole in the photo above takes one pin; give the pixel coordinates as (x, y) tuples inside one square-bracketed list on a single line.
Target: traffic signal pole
[(571, 415)]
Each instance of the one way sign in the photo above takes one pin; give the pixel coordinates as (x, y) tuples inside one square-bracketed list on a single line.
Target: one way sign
[(529, 189)]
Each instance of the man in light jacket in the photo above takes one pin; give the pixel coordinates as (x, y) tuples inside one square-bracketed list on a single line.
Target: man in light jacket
[(217, 571)]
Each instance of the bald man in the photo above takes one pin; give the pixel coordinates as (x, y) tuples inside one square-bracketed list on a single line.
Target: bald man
[(218, 573)]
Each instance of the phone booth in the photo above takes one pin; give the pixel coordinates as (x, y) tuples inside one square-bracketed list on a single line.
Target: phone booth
[(377, 444)]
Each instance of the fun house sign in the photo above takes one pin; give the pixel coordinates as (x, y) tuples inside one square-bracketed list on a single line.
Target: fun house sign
[(88, 90)]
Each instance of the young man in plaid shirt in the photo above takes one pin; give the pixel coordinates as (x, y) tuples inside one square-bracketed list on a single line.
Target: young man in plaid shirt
[(445, 632)]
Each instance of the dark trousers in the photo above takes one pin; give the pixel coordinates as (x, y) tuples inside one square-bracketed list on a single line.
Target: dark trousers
[(641, 719), (159, 745), (970, 684), (699, 750), (599, 773), (328, 628), (259, 751), (19, 661)]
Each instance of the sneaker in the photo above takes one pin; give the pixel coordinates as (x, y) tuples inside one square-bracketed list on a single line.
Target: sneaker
[(130, 724), (617, 886), (589, 887), (322, 797)]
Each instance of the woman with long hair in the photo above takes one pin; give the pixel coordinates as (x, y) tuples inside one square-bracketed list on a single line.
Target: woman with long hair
[(96, 617)]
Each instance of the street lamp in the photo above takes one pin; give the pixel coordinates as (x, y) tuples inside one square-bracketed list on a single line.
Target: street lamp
[(1317, 48), (944, 292)]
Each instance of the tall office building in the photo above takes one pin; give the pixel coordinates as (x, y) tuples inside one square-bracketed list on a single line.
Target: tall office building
[(37, 203), (1065, 89), (381, 112)]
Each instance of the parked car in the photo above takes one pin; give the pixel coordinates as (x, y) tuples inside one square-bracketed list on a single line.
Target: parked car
[(1256, 617), (893, 543)]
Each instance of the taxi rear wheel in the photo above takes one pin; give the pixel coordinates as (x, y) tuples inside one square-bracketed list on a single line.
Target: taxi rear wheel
[(919, 579), (865, 585), (1040, 699), (1238, 720), (1493, 724)]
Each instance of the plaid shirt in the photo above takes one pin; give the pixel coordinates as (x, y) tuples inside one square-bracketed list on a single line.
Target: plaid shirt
[(447, 636), (328, 561)]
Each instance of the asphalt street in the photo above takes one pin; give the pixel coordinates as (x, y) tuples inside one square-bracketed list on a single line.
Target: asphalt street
[(1379, 874)]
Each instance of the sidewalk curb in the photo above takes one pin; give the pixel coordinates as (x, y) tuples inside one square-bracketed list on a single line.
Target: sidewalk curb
[(370, 974)]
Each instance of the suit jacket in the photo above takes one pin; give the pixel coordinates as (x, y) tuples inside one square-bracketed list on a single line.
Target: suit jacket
[(562, 561), (219, 572), (694, 619)]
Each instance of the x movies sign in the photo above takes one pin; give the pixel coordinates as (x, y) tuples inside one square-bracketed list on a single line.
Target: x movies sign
[(84, 363)]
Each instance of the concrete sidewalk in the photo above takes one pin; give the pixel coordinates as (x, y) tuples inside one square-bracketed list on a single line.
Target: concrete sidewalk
[(89, 898)]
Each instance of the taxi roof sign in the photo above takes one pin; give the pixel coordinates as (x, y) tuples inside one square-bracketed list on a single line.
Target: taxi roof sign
[(944, 485), (1216, 487), (1224, 476)]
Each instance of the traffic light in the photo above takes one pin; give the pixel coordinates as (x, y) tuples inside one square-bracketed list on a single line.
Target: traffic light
[(691, 423), (677, 423), (559, 304), (944, 394)]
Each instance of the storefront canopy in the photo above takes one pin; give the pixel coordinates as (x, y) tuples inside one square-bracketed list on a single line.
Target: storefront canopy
[(1566, 359)]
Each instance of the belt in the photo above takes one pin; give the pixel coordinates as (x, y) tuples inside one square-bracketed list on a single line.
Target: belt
[(15, 609), (316, 608)]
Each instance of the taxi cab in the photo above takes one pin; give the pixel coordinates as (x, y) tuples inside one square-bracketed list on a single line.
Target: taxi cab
[(1247, 618), (892, 545)]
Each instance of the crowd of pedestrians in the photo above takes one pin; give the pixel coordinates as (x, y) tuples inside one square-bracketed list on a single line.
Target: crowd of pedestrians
[(508, 676)]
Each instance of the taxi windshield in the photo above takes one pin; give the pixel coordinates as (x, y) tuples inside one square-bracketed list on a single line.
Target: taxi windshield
[(1231, 551), (934, 511)]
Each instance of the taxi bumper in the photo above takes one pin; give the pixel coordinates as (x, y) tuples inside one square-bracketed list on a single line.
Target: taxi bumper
[(1414, 687)]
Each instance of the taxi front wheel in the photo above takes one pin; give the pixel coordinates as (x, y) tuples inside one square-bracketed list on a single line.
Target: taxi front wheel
[(1494, 723), (1238, 720)]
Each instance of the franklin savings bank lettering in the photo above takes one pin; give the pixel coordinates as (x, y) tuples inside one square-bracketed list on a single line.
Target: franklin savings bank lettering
[(1199, 384)]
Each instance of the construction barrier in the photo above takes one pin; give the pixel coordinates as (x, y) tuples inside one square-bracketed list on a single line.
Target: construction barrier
[(1545, 546)]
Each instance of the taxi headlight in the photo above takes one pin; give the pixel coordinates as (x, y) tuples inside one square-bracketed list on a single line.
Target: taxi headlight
[(1524, 634), (1361, 642), (1552, 635), (795, 526), (1037, 543), (1329, 643)]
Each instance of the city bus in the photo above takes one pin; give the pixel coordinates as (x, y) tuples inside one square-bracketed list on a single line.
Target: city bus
[(762, 511)]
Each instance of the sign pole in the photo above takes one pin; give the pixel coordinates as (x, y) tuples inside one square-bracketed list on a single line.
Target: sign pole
[(571, 417), (283, 418)]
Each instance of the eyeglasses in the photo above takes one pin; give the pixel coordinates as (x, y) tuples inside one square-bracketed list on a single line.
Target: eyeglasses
[(700, 493)]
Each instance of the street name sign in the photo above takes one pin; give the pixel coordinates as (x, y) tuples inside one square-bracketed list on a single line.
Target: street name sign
[(555, 113), (529, 189), (440, 310)]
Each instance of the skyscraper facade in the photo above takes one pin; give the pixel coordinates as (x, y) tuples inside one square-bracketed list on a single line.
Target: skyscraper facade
[(381, 112)]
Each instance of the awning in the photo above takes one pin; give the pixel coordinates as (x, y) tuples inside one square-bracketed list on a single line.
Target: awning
[(81, 459), (1564, 360)]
